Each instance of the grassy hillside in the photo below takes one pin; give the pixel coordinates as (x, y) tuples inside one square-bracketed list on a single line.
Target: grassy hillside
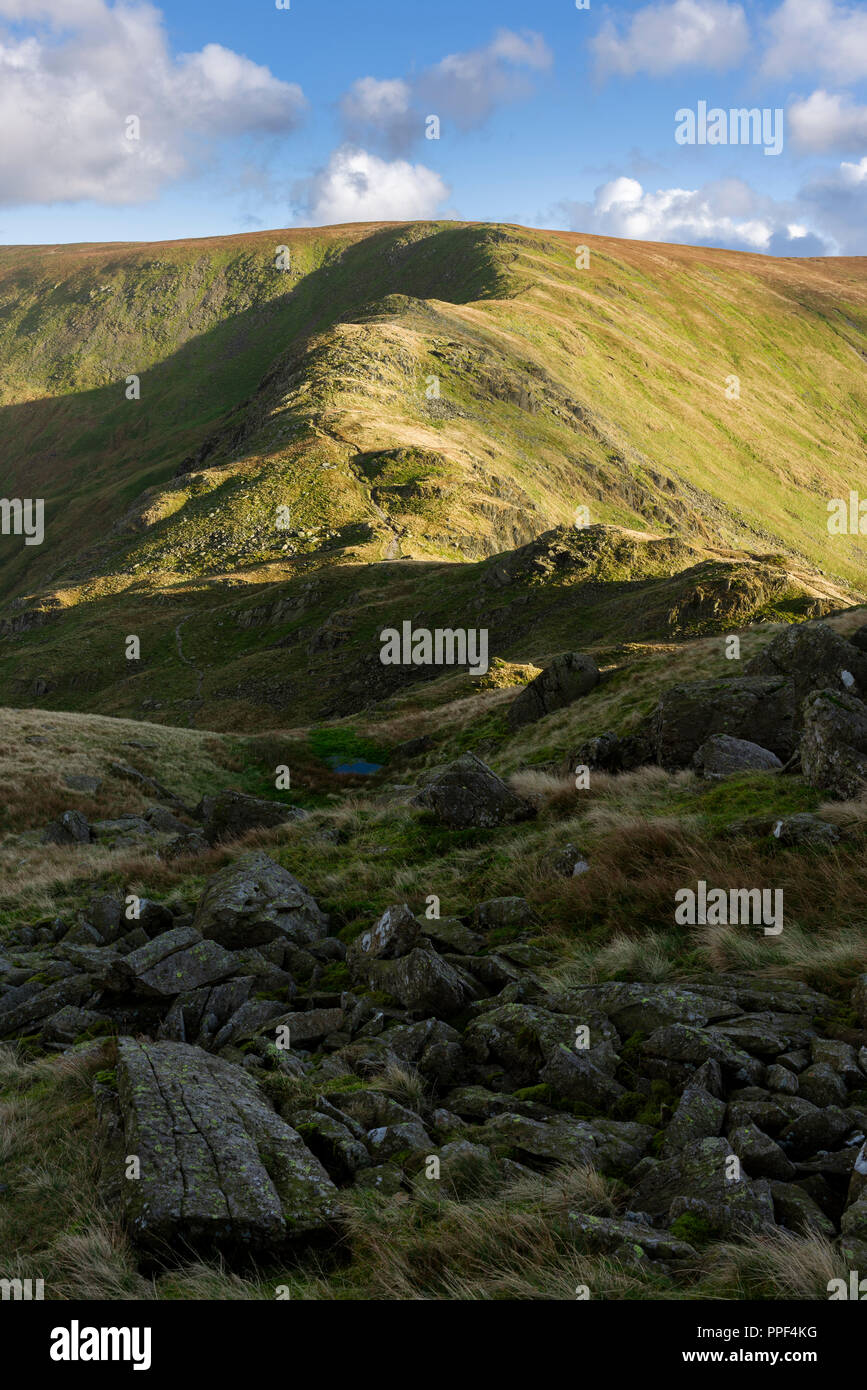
[(313, 390)]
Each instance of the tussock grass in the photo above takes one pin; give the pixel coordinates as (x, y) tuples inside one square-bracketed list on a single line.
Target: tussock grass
[(774, 1265)]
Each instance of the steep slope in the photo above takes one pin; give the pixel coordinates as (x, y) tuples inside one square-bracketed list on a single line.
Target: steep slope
[(425, 392)]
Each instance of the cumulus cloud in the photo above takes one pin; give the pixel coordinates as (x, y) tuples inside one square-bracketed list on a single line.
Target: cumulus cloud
[(374, 109), (826, 121), (839, 201), (727, 213), (356, 186), (661, 38), (65, 100), (817, 36), (465, 88)]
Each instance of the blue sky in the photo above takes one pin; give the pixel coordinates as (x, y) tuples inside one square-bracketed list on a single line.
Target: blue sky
[(128, 121)]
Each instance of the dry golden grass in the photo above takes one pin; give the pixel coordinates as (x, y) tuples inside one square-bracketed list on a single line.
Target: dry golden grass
[(775, 1265), (73, 744)]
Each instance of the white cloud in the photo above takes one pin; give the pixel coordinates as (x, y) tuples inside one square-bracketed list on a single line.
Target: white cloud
[(838, 201), (65, 99), (854, 174), (464, 88), (661, 38), (727, 213), (467, 87), (817, 36), (357, 186), (827, 121), (373, 108)]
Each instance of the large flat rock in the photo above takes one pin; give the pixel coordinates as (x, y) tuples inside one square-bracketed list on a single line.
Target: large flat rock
[(218, 1166)]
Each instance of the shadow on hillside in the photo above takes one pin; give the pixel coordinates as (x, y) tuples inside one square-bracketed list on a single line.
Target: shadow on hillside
[(72, 450)]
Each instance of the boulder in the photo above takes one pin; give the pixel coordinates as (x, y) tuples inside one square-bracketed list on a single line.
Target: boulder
[(815, 1130), (310, 1027), (680, 1043), (432, 1047), (699, 1115), (573, 1074), (253, 901), (602, 753), (812, 656), (567, 862), (760, 711), (804, 828), (834, 743), (395, 934), (638, 1007), (521, 1037), (450, 934), (504, 912), (722, 756), (612, 1146), (567, 678), (795, 1209), (171, 964), (468, 794), (422, 981), (333, 1143), (697, 1179), (230, 814), (218, 1168), (609, 1234), (761, 1157), (821, 1085), (70, 828)]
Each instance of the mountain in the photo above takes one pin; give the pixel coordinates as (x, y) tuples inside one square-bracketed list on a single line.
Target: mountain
[(320, 939), (385, 429)]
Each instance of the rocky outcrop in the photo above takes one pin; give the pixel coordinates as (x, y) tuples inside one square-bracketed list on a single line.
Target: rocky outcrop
[(254, 901), (567, 678), (216, 1167), (229, 815), (251, 1092), (467, 793), (834, 743), (761, 711), (812, 656)]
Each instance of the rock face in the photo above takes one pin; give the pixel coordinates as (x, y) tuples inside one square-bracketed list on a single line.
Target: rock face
[(812, 656), (230, 814), (567, 678), (834, 743), (761, 711), (218, 1168), (721, 755), (254, 901), (467, 793)]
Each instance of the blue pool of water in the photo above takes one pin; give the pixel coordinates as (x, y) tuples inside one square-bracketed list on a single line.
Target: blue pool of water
[(358, 766)]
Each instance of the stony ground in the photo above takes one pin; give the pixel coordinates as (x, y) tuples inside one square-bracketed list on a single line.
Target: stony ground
[(435, 1095)]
